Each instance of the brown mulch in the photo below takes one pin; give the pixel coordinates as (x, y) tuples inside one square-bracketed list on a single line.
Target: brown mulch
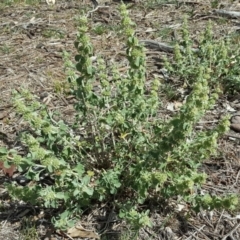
[(32, 40)]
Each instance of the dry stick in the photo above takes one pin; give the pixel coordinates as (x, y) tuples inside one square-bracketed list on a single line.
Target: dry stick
[(222, 189), (201, 232), (206, 219), (205, 17), (232, 218), (225, 13), (107, 222), (216, 227), (190, 2), (232, 136), (162, 46), (67, 235), (198, 231), (31, 75), (237, 225), (95, 9), (150, 233), (236, 181), (158, 45)]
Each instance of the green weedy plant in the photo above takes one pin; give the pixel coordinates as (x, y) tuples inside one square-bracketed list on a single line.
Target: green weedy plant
[(119, 149), (220, 59)]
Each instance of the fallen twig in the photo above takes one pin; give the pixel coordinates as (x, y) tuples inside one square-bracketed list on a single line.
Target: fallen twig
[(226, 13), (96, 9), (161, 46), (237, 225)]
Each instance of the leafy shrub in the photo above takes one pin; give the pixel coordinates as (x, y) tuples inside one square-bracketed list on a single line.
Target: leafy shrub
[(119, 148), (220, 59)]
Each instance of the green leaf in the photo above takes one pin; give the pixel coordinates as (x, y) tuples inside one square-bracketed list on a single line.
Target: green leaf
[(76, 192), (3, 150), (86, 180), (78, 58), (90, 70), (76, 44), (60, 195), (79, 169), (137, 61), (117, 184), (79, 67), (88, 190), (50, 168), (6, 164)]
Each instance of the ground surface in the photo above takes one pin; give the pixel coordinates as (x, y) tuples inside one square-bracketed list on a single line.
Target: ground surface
[(32, 39)]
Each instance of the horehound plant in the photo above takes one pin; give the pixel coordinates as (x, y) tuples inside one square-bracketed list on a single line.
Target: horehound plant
[(119, 149)]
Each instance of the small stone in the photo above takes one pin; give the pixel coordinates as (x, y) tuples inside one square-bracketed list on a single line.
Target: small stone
[(235, 127), (235, 119)]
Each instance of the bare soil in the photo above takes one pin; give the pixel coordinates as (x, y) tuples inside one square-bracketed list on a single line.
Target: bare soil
[(32, 40)]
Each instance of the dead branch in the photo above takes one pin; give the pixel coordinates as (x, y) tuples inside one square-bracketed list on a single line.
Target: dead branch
[(161, 46), (226, 13)]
